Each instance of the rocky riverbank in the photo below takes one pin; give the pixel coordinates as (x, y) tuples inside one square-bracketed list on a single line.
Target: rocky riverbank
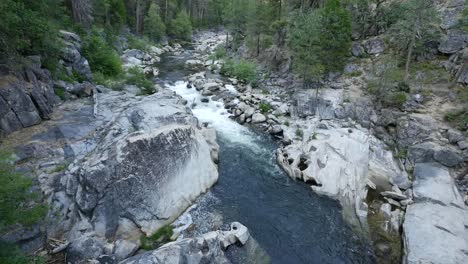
[(113, 167), (339, 143)]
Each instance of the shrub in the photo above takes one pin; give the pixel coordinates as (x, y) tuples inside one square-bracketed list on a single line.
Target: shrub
[(26, 30), (286, 123), (356, 73), (396, 99), (264, 107), (136, 76), (138, 43), (219, 53), (10, 253), (242, 70), (17, 203), (403, 87), (60, 92), (180, 27), (163, 235), (459, 118), (101, 57)]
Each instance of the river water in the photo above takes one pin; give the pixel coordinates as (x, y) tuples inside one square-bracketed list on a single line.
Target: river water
[(289, 222)]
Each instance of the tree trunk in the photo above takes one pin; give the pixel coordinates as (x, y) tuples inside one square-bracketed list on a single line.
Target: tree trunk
[(81, 12), (258, 44), (137, 16), (165, 13), (410, 50), (279, 9), (227, 40)]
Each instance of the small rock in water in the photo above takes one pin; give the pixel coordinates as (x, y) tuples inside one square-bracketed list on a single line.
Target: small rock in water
[(205, 100)]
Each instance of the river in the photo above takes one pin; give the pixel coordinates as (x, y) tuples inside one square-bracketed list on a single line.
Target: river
[(289, 222)]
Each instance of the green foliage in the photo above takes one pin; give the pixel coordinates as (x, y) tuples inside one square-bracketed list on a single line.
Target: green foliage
[(427, 72), (320, 39), (136, 76), (389, 88), (260, 16), (264, 107), (163, 235), (335, 35), (371, 17), (219, 53), (101, 57), (242, 70), (139, 43), (11, 254), (417, 26), (59, 168), (18, 204), (463, 24), (109, 13), (26, 30), (180, 27), (356, 73), (401, 153), (60, 92), (154, 26), (396, 99), (458, 118)]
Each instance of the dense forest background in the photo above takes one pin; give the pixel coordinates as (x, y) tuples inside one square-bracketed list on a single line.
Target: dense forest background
[(317, 33)]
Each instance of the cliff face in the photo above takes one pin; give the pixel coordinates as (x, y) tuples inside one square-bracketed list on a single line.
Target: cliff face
[(25, 98)]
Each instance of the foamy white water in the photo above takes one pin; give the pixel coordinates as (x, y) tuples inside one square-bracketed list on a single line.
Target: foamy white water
[(214, 114)]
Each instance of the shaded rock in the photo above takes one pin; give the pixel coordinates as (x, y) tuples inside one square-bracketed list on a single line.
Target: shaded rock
[(447, 157), (357, 50), (374, 46), (85, 249), (82, 89), (454, 136), (276, 130), (13, 93), (414, 129), (454, 41), (423, 152), (384, 169)]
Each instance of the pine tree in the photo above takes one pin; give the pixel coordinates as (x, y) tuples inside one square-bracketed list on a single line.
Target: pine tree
[(320, 39), (154, 26), (180, 27), (259, 20), (417, 26)]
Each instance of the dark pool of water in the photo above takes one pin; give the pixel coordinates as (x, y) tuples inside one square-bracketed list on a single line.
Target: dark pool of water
[(290, 222)]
